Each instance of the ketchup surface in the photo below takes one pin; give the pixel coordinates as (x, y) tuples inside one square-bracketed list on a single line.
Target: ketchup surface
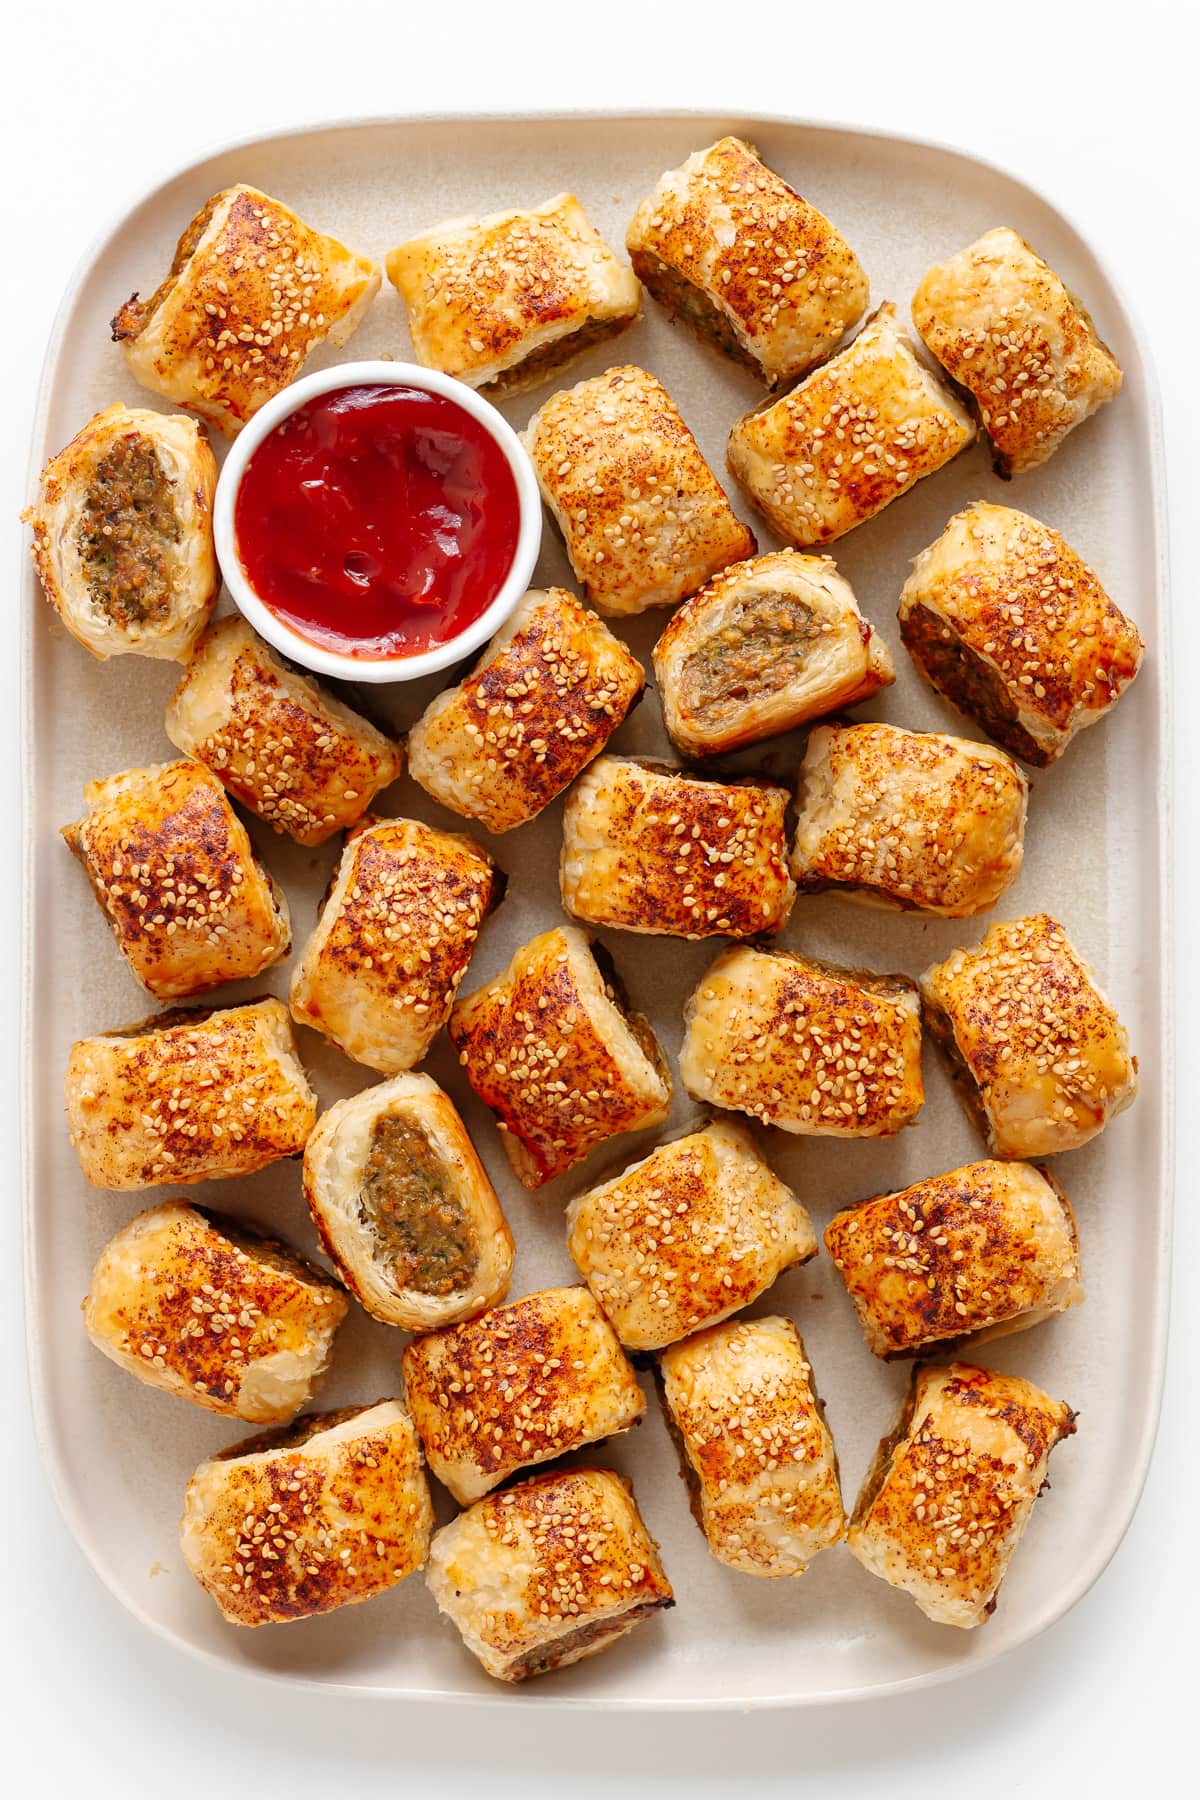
[(377, 521)]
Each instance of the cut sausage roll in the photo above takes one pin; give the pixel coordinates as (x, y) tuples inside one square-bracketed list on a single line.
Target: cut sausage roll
[(251, 292), (1036, 1048), (122, 534), (521, 1384), (326, 1513), (1001, 322), (754, 1447), (693, 1232), (548, 1572), (189, 903), (644, 518), (649, 848), (404, 1206), (764, 647), (190, 1095), (206, 1308), (505, 301), (283, 747), (379, 974), (545, 697), (552, 1047), (728, 247), (1012, 627), (912, 821), (951, 1489), (851, 438), (815, 1049), (987, 1249)]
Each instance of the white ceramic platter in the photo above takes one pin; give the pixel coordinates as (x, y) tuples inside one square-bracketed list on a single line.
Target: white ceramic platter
[(120, 1454)]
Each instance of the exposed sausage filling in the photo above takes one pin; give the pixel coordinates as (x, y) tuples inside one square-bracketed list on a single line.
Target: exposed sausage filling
[(419, 1223), (548, 357), (692, 305), (969, 682), (757, 653), (128, 532), (572, 1644)]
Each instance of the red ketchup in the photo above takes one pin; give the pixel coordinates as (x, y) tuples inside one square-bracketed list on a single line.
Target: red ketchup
[(377, 521)]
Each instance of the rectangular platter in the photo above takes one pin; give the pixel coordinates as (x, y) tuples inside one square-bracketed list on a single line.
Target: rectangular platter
[(119, 1454)]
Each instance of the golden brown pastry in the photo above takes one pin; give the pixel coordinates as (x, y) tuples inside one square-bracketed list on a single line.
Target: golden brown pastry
[(1039, 1055), (644, 518), (815, 1049), (913, 821), (189, 1095), (519, 1385), (951, 1489), (1002, 323), (552, 1047), (122, 534)]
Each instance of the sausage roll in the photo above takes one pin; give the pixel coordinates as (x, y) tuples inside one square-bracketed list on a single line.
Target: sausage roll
[(644, 518), (545, 697), (815, 1049), (1011, 626), (913, 821), (283, 747), (985, 1250), (951, 1489), (852, 437), (251, 292), (647, 847), (404, 1206), (122, 534), (189, 903), (728, 247), (693, 1232), (519, 1385), (328, 1512), (553, 1048), (548, 1572), (763, 647), (193, 1094), (503, 302), (754, 1447), (1002, 323), (379, 974), (206, 1308), (1036, 1049)]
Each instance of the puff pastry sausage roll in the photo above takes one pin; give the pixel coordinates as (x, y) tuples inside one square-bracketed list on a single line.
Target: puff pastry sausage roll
[(191, 1095), (380, 972), (122, 534), (552, 1047), (693, 1232), (283, 747), (815, 1049), (764, 647), (206, 1308), (328, 1512), (647, 847), (189, 903), (851, 438), (251, 292), (908, 820), (1037, 1051), (404, 1206), (1002, 323), (1012, 627), (728, 247), (521, 1384), (644, 518), (546, 695), (503, 302), (548, 1572), (951, 1489), (984, 1250), (754, 1447)]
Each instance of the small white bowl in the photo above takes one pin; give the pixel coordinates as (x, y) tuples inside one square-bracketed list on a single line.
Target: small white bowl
[(314, 656)]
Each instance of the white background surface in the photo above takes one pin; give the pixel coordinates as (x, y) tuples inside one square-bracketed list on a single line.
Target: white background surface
[(1096, 107)]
